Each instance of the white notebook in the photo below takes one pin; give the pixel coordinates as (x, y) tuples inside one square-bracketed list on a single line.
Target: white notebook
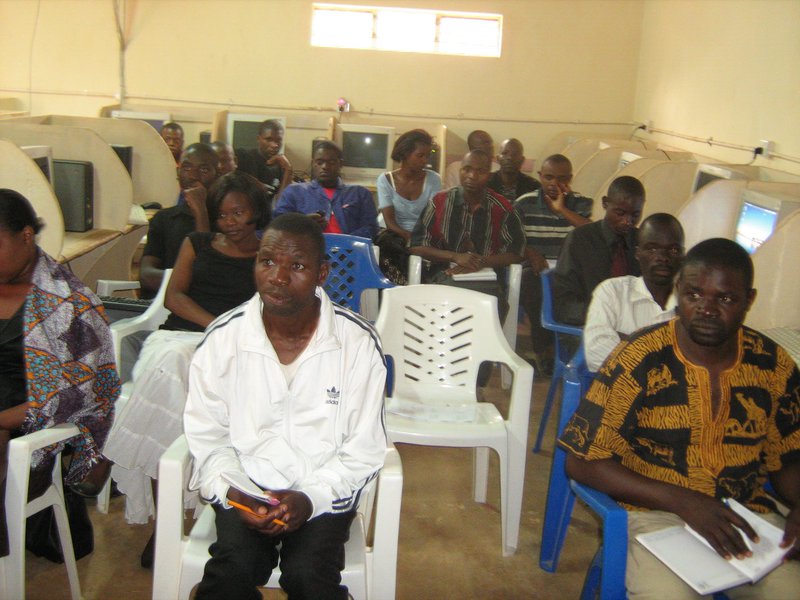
[(693, 559)]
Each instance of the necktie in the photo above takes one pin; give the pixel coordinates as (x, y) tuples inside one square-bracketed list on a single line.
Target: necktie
[(619, 259)]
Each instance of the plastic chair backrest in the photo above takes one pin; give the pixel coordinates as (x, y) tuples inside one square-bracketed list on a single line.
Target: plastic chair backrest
[(353, 269), (548, 320), (438, 336)]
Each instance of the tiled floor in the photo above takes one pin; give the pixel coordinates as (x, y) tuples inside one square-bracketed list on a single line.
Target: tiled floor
[(449, 546)]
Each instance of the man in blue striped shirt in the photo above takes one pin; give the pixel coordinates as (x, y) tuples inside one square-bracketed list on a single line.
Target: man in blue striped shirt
[(548, 215)]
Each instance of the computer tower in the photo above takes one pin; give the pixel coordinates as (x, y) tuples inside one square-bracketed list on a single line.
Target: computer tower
[(125, 154), (73, 183)]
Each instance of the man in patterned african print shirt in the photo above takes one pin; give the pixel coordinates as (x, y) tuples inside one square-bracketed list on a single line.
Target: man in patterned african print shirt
[(690, 412)]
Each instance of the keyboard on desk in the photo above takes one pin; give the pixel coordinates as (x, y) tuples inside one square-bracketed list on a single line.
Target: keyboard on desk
[(788, 338), (135, 305)]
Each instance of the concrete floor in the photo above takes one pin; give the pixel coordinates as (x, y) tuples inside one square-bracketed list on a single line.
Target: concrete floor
[(449, 545)]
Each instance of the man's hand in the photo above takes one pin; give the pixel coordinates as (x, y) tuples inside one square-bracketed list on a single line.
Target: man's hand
[(536, 260), (468, 262), (791, 534), (281, 161), (196, 201), (320, 219), (712, 519), (294, 510), (557, 204)]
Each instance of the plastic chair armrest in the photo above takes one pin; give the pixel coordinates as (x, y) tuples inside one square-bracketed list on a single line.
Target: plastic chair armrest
[(40, 439)]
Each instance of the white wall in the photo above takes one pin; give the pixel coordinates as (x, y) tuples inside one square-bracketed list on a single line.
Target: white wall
[(201, 55), (727, 69)]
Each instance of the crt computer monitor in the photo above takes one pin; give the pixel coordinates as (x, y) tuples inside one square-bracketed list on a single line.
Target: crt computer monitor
[(155, 119), (366, 151), (709, 173), (241, 129)]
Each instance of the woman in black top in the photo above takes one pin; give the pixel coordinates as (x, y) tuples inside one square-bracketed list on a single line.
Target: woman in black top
[(213, 274)]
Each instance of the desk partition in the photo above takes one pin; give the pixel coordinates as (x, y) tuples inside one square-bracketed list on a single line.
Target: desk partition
[(153, 174), (18, 172)]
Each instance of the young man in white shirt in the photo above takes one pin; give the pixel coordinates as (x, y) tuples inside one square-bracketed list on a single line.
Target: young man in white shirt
[(286, 390), (621, 305)]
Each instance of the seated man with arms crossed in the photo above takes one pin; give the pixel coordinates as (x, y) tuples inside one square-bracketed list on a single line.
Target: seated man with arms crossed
[(548, 215), (266, 163), (690, 412), (170, 226), (286, 390), (510, 182), (335, 206), (469, 227), (592, 253), (476, 140), (621, 305)]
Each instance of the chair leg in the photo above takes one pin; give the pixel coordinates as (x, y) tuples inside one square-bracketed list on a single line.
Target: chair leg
[(591, 584), (512, 489), (480, 473), (104, 497), (67, 550), (558, 371), (557, 514)]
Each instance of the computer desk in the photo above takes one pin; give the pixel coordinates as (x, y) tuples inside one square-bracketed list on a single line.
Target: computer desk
[(101, 253)]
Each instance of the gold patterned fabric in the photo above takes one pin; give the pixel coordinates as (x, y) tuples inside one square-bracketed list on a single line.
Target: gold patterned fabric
[(650, 409)]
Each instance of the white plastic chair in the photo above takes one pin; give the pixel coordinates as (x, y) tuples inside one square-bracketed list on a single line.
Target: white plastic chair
[(370, 570), (18, 509), (437, 336), (149, 320), (514, 282)]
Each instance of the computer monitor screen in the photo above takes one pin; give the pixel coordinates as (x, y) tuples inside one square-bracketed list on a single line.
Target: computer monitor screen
[(44, 164), (366, 152), (241, 129), (755, 225)]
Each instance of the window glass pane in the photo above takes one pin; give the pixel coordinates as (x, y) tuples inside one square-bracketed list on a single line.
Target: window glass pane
[(407, 31), (342, 28), (469, 36)]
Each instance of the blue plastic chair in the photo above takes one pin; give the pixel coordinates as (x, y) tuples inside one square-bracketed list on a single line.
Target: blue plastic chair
[(353, 269), (560, 360), (606, 573)]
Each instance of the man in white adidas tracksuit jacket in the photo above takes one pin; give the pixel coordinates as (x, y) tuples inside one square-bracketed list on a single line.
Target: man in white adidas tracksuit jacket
[(288, 390)]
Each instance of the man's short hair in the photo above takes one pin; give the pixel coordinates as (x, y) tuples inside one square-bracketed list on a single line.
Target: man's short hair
[(661, 220), (203, 149), (720, 252), (557, 159), (473, 134), (626, 187), (407, 142), (270, 125), (481, 154), (220, 145), (239, 181), (300, 224), (173, 126), (327, 145)]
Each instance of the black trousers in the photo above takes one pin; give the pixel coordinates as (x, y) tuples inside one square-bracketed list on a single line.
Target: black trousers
[(530, 297), (311, 559)]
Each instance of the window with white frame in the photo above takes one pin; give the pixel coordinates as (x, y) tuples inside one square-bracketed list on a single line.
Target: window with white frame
[(406, 30)]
